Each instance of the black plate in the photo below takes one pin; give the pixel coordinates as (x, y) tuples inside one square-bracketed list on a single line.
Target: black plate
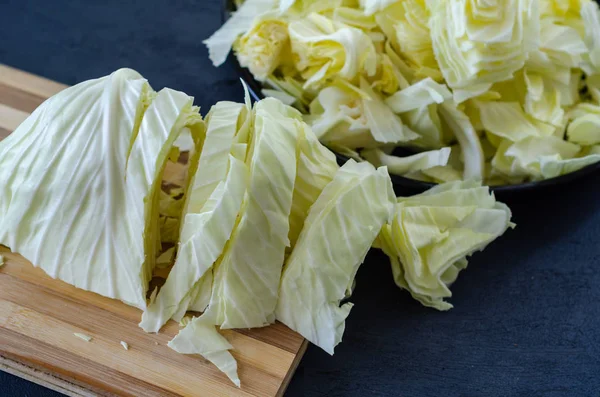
[(406, 186)]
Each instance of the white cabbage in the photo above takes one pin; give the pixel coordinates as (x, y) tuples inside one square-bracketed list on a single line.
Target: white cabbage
[(326, 49), (220, 43), (333, 243), (418, 95), (94, 160), (478, 43), (405, 165), (432, 234)]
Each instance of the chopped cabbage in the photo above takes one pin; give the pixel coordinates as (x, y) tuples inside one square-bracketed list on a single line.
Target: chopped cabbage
[(467, 138), (509, 121), (247, 275), (372, 6), (435, 64), (541, 157), (418, 95), (201, 337), (262, 48), (331, 247), (203, 239), (353, 118), (326, 49), (404, 165), (316, 167), (432, 234), (477, 44), (220, 43)]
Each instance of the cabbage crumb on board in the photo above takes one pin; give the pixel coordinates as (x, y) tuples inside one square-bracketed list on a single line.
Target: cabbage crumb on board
[(84, 337), (259, 223)]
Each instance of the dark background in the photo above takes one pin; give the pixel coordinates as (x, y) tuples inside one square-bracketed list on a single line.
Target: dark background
[(527, 316)]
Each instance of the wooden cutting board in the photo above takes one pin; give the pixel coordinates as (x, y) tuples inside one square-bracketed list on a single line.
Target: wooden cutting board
[(39, 315)]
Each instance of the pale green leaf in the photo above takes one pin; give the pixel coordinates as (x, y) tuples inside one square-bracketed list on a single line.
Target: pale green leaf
[(338, 232)]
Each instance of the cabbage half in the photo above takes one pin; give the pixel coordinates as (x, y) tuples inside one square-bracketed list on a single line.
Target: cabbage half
[(91, 158)]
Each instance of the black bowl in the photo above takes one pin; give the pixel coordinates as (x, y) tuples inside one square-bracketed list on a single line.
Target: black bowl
[(406, 186)]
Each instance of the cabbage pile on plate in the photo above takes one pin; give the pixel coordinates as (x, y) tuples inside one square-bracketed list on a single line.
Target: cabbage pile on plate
[(499, 91), (261, 224)]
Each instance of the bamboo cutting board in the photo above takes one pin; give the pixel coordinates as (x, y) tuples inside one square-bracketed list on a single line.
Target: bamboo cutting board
[(39, 315)]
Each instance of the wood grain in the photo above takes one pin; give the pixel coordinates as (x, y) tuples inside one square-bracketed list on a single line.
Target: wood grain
[(39, 315)]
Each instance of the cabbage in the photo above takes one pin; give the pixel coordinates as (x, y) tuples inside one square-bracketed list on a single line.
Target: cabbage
[(247, 272), (332, 245), (410, 24), (543, 100), (354, 17), (212, 207), (590, 14), (442, 173), (201, 337), (316, 167), (384, 125), (247, 275), (388, 79), (404, 165), (220, 43), (585, 130), (352, 118), (563, 44), (479, 43), (372, 6), (524, 158), (418, 95), (93, 161), (326, 49), (427, 122), (467, 138), (263, 47), (509, 121), (432, 234), (450, 70)]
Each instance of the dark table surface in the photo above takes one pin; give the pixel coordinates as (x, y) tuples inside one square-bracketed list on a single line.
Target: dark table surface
[(527, 310)]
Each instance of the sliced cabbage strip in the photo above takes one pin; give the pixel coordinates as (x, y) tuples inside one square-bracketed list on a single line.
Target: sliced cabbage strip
[(247, 276), (333, 243), (203, 239), (316, 167), (423, 93), (404, 165), (201, 337)]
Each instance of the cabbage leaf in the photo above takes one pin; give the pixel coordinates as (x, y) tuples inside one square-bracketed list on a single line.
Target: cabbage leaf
[(333, 243), (247, 275), (432, 234), (405, 165), (326, 49), (220, 43), (418, 95)]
